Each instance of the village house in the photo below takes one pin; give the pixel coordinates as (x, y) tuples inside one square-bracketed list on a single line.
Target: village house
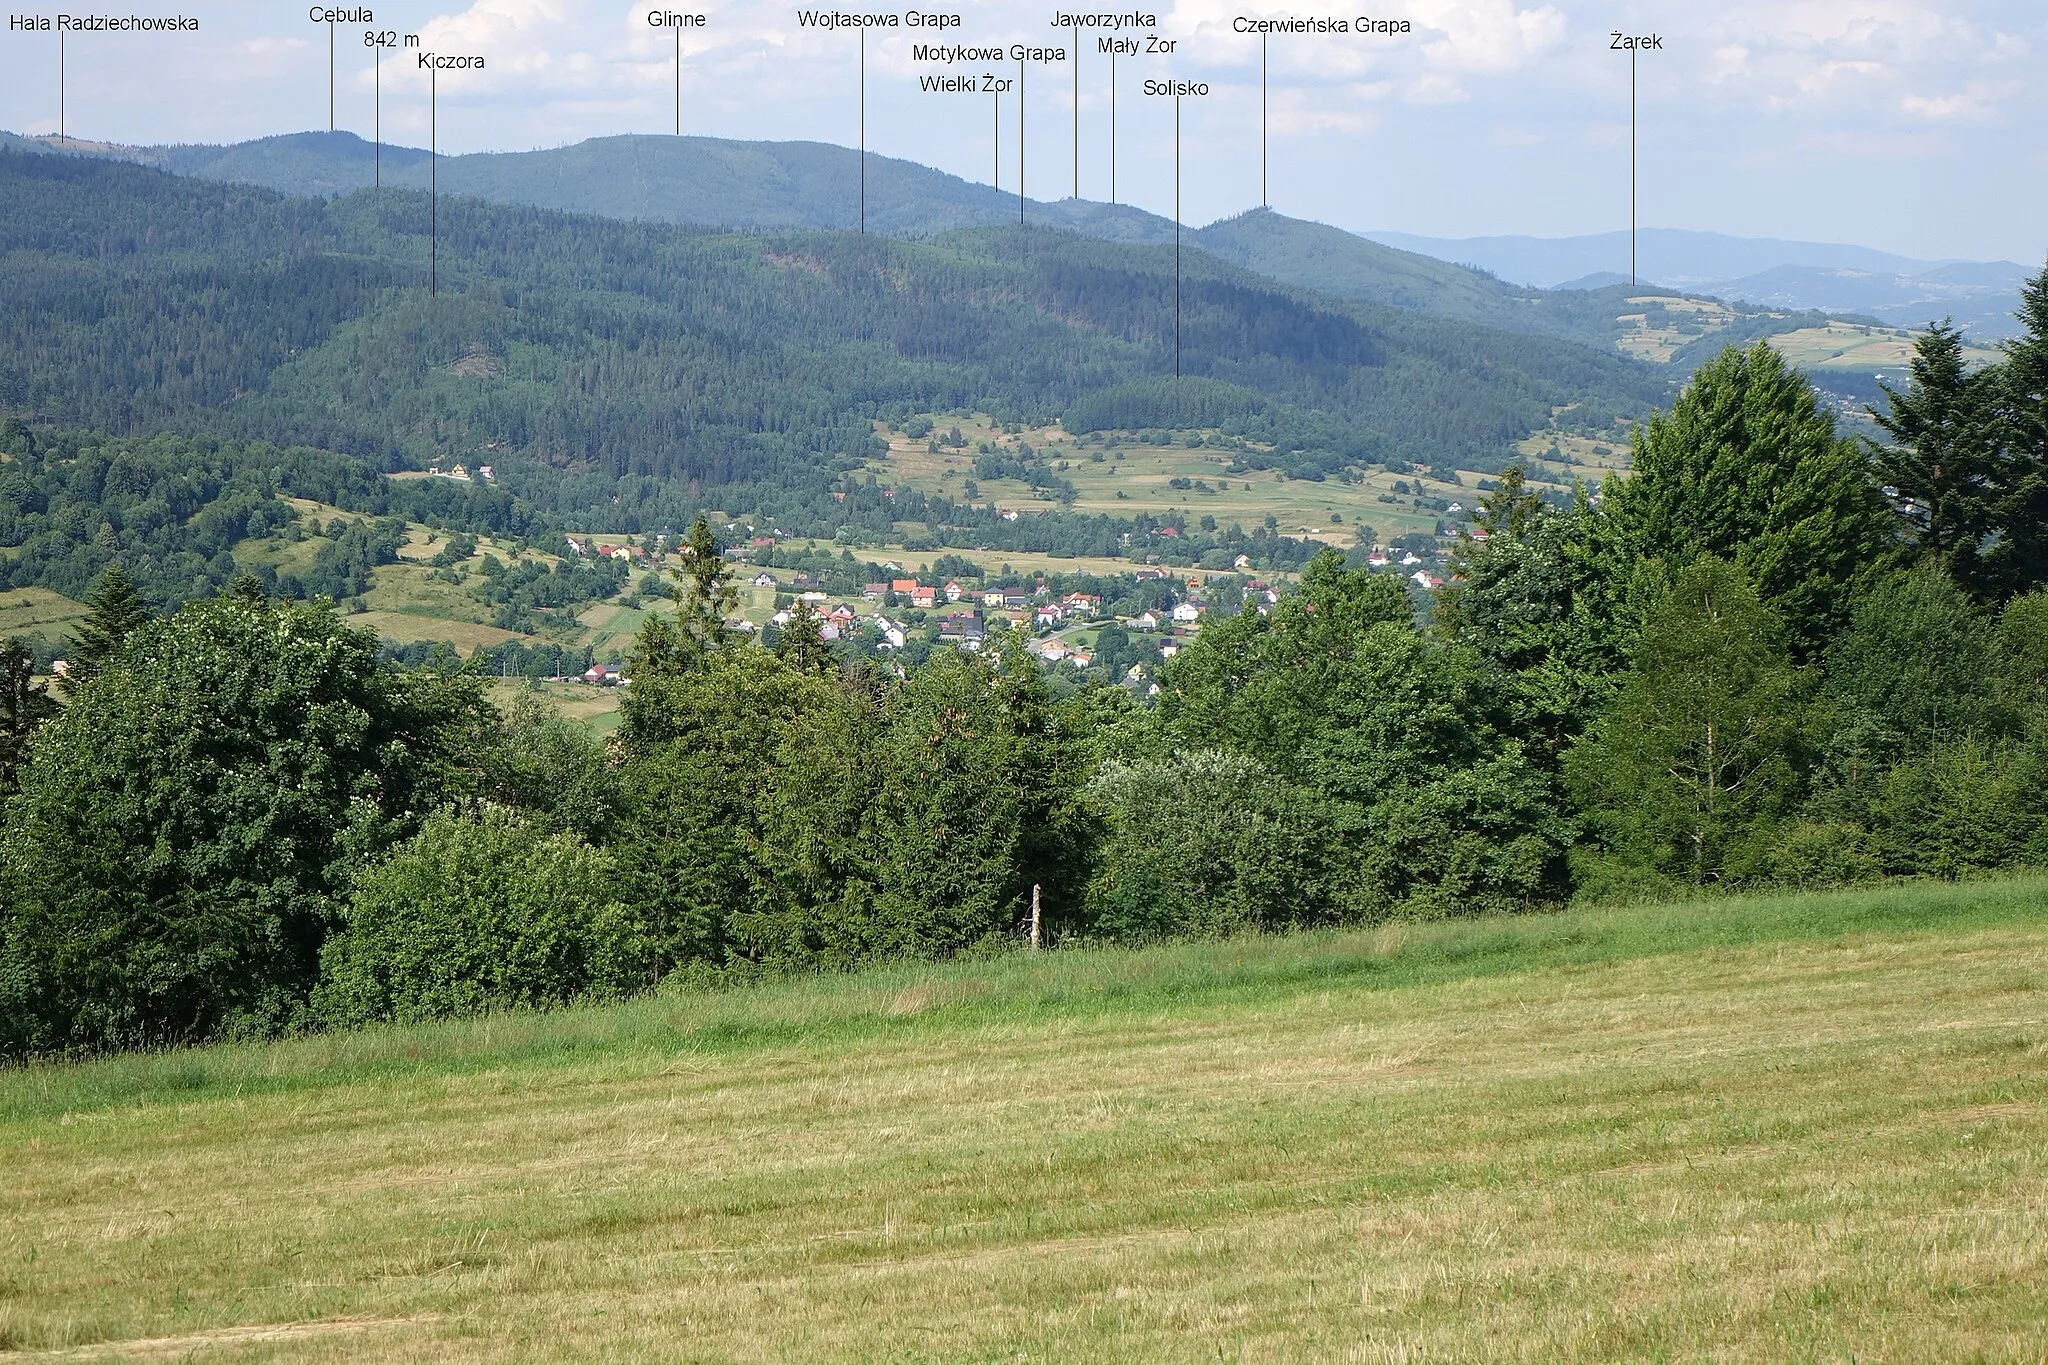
[(1187, 614), (1144, 620), (1016, 599), (992, 597), (964, 628), (954, 592), (1077, 604), (875, 592), (1047, 615), (1423, 578), (893, 635), (903, 587), (924, 596), (765, 580)]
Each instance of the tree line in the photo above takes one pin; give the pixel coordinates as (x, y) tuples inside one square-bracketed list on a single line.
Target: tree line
[(1771, 655)]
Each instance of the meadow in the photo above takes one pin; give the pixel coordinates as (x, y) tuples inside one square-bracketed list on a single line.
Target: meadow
[(1796, 1127), (37, 614), (1136, 477)]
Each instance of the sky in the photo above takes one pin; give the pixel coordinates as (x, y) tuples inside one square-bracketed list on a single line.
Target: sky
[(1914, 126)]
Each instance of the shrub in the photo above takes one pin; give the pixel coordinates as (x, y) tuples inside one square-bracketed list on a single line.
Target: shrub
[(184, 830), (480, 913), (1202, 844)]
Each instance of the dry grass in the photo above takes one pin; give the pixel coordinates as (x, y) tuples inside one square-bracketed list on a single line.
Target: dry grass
[(1817, 1133)]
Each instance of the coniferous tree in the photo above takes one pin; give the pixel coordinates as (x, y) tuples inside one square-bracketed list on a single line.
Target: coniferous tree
[(1941, 455), (2018, 561), (24, 705), (116, 612), (1748, 467), (708, 595), (802, 645)]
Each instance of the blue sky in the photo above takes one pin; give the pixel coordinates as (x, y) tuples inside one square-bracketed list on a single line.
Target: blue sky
[(1917, 126)]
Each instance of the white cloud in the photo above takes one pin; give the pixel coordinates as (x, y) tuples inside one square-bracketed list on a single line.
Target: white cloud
[(1977, 100)]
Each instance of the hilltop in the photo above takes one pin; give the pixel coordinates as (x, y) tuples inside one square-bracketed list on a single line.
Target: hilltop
[(649, 369), (723, 183)]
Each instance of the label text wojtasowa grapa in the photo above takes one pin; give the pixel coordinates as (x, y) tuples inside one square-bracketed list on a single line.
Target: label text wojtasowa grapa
[(820, 18), (104, 23)]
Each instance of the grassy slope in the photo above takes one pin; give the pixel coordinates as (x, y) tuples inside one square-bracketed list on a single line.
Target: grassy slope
[(1767, 1129), (38, 614)]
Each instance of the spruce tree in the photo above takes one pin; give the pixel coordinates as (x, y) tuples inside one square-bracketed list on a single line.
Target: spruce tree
[(2018, 560), (802, 645), (115, 613), (708, 595), (1749, 467), (24, 705), (1941, 455)]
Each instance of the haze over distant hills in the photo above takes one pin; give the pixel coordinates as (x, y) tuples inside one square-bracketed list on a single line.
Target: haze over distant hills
[(1767, 272), (809, 185)]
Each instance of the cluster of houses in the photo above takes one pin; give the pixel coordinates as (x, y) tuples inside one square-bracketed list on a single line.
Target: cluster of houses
[(1417, 570), (980, 609), (462, 473), (625, 554)]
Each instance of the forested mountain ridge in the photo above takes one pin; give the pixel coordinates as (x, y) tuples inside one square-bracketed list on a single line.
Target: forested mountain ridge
[(630, 373), (716, 182), (693, 181)]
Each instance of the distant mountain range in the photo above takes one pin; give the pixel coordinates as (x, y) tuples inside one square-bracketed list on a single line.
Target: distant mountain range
[(1567, 288), (1766, 272), (713, 182)]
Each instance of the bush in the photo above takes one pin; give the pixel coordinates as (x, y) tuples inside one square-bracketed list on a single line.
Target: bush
[(186, 825), (1203, 844), (481, 913)]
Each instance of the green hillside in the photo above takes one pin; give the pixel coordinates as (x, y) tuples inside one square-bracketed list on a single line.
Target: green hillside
[(812, 185), (1606, 1135), (703, 181), (624, 375)]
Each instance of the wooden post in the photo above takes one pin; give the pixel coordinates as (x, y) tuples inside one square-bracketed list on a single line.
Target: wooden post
[(1037, 929)]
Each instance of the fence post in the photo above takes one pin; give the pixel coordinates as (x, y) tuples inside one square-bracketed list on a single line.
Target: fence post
[(1037, 934)]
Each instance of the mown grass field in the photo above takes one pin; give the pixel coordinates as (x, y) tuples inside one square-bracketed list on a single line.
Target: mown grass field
[(1137, 478), (1800, 1128), (38, 614), (1860, 347)]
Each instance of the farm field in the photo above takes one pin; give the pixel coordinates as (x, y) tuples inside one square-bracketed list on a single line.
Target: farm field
[(594, 708), (1801, 1127), (38, 614), (1144, 474), (1859, 347)]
